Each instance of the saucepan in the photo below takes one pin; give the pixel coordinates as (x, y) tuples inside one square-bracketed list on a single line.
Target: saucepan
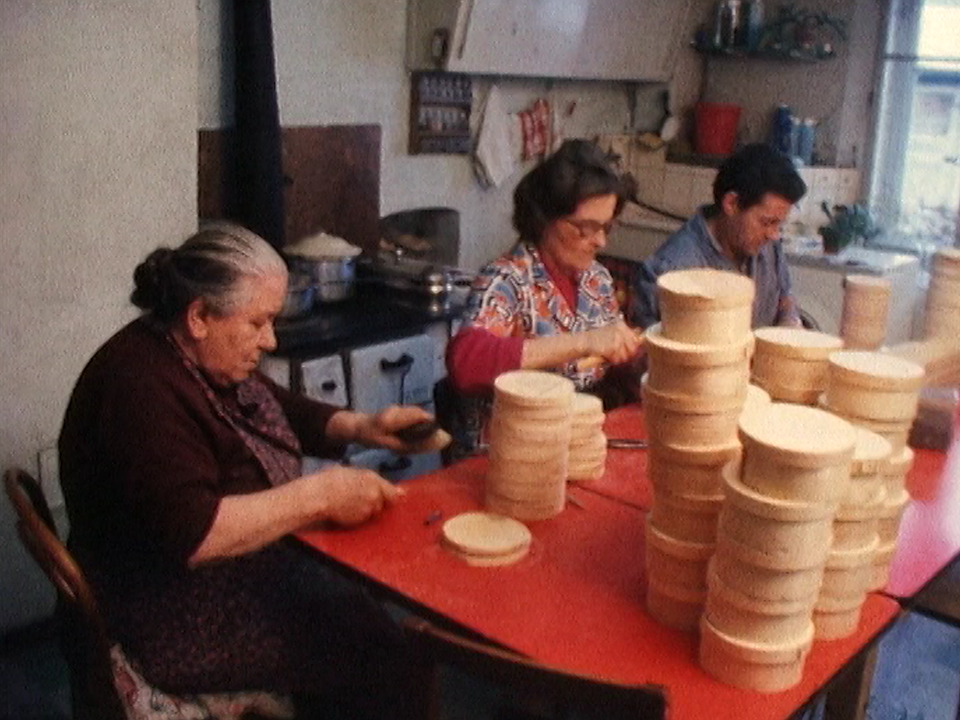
[(300, 298)]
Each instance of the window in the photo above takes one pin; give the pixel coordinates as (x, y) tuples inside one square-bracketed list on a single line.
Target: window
[(915, 180)]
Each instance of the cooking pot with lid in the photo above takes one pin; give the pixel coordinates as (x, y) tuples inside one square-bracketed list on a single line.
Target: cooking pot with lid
[(330, 264)]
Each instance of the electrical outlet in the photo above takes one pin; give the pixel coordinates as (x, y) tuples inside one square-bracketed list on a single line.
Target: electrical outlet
[(49, 462)]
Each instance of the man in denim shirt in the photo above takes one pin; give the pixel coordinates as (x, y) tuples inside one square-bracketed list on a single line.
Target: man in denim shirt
[(740, 232)]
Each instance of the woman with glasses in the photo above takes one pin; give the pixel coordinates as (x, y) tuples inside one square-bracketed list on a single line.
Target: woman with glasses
[(548, 303)]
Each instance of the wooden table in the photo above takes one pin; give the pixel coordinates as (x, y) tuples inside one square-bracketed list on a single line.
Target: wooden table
[(576, 601)]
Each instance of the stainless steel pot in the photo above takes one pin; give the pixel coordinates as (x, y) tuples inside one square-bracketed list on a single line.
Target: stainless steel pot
[(300, 298), (333, 278)]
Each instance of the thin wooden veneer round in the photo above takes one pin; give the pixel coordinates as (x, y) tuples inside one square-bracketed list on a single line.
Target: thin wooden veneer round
[(706, 371), (534, 387), (874, 386), (796, 453), (791, 363), (764, 667), (705, 306), (798, 436)]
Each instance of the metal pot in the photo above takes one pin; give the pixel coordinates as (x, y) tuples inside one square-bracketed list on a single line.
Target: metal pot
[(333, 278), (300, 298)]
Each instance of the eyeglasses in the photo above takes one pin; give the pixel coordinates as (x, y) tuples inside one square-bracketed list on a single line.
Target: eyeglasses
[(590, 228)]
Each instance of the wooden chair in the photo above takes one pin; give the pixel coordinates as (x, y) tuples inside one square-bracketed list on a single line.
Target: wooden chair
[(95, 661), (565, 694)]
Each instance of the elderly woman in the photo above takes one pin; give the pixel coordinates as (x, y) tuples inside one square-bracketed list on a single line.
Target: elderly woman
[(180, 466), (548, 303)]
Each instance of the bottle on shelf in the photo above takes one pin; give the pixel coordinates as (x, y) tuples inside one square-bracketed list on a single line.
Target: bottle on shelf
[(806, 133)]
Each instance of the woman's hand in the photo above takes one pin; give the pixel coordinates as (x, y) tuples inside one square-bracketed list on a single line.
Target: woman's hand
[(348, 496), (380, 430), (616, 343)]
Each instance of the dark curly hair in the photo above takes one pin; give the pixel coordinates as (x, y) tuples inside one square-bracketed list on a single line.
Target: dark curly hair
[(578, 170), (752, 172), (207, 265)]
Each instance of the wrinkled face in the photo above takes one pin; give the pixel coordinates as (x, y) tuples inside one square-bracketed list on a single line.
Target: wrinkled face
[(749, 230), (573, 242), (228, 347)]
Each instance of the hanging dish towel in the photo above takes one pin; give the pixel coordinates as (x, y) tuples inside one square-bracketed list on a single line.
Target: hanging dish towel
[(536, 126), (495, 156)]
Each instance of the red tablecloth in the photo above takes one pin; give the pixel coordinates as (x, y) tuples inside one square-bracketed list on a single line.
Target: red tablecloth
[(929, 535)]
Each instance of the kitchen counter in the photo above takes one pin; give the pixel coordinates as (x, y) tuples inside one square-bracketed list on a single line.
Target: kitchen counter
[(373, 315)]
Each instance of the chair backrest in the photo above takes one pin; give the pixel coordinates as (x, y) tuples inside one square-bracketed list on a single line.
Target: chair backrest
[(567, 692), (89, 654)]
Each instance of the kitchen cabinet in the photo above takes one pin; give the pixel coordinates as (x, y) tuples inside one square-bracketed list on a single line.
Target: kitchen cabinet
[(598, 39)]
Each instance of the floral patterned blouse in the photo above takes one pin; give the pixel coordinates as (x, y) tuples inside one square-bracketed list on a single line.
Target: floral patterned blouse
[(514, 296)]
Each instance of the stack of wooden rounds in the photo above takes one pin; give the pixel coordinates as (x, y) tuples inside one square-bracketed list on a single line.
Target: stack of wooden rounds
[(791, 364), (866, 301), (773, 538), (530, 429), (588, 443), (485, 539), (895, 501), (942, 309), (874, 390), (849, 569), (693, 395)]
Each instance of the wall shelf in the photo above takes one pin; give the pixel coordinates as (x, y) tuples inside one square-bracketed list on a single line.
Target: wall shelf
[(440, 104), (794, 55)]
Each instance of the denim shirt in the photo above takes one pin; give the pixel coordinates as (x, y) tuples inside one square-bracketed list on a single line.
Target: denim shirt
[(692, 246)]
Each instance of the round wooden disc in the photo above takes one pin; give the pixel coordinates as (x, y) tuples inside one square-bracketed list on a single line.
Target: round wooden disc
[(876, 370), (867, 284), (534, 387), (797, 343), (801, 435), (870, 453), (706, 288), (485, 534)]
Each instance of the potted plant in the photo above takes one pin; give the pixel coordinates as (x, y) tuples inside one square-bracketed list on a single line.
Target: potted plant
[(848, 225)]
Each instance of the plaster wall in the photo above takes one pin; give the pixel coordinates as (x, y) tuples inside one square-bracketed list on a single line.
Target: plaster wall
[(98, 109)]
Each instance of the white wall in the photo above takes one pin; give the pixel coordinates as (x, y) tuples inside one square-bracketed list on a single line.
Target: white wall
[(98, 156)]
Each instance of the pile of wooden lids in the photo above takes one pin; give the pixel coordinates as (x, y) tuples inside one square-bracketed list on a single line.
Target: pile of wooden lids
[(588, 442), (693, 395), (942, 309), (878, 392), (896, 497), (530, 430), (849, 570), (792, 363), (866, 302), (485, 539), (774, 537)]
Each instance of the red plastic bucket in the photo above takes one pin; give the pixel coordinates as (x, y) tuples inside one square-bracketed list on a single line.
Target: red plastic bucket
[(716, 128)]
